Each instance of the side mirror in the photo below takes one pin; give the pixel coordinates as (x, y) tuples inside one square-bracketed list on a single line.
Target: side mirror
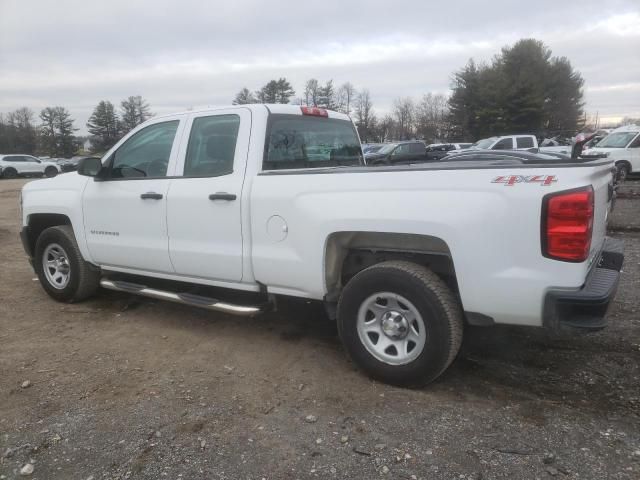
[(89, 167)]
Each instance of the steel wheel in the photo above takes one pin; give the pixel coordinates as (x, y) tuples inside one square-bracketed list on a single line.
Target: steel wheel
[(55, 264), (391, 328)]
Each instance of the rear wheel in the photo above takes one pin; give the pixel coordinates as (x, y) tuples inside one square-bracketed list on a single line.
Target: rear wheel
[(400, 323), (50, 172), (10, 173), (62, 271)]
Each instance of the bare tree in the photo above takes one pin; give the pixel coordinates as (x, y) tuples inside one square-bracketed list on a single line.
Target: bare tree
[(346, 96), (431, 117), (364, 115), (312, 92), (404, 111), (386, 128)]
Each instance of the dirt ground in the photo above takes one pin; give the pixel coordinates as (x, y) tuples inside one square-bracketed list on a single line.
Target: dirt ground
[(121, 387)]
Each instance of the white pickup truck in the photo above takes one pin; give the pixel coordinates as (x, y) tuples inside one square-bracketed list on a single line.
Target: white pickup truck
[(275, 200)]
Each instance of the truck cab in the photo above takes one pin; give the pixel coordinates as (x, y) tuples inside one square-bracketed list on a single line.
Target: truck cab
[(507, 142)]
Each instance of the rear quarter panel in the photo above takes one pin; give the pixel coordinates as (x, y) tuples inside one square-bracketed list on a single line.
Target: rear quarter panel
[(491, 229)]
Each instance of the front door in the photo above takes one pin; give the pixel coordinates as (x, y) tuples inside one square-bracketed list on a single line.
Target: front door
[(31, 164), (125, 210), (205, 199)]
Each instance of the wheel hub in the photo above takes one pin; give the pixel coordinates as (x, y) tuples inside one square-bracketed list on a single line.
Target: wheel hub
[(391, 328), (56, 266), (395, 325)]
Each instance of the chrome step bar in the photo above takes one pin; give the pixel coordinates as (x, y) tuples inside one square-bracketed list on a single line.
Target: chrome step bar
[(183, 298)]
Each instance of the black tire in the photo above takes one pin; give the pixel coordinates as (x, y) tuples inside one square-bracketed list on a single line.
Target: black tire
[(623, 172), (436, 304), (50, 172), (84, 279), (9, 173)]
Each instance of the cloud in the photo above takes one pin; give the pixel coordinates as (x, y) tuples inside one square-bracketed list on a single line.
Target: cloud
[(188, 53)]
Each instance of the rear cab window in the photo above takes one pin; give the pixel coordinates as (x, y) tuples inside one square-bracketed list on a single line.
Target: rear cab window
[(524, 142), (302, 141)]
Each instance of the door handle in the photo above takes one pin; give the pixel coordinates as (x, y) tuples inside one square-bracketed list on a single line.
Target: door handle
[(151, 196), (223, 196)]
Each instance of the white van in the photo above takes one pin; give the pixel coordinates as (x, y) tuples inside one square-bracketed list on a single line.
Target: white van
[(623, 146)]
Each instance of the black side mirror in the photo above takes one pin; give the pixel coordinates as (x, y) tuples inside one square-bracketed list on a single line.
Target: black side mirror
[(90, 167)]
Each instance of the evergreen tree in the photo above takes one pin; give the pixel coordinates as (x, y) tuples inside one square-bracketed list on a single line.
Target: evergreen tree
[(134, 110), (56, 132), (284, 91), (524, 90), (105, 126), (327, 96)]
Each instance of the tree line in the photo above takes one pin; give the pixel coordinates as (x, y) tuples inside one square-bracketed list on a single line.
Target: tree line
[(52, 132), (524, 89)]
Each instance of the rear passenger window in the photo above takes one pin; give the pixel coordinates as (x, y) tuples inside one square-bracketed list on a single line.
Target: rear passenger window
[(212, 146), (524, 142), (418, 148), (504, 144)]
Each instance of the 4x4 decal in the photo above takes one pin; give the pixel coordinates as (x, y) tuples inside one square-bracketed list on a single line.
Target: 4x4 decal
[(511, 180)]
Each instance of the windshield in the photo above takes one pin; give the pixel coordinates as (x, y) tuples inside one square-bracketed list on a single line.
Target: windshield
[(617, 140), (484, 143), (300, 141), (388, 148)]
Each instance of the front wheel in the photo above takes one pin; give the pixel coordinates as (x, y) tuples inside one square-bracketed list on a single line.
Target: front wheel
[(400, 323), (62, 271)]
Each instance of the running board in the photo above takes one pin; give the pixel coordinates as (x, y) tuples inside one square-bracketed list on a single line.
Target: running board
[(183, 298)]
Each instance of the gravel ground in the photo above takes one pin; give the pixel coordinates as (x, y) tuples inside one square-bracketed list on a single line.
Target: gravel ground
[(120, 387)]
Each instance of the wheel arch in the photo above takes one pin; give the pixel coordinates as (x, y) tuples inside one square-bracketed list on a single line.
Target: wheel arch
[(627, 163), (39, 222), (347, 253)]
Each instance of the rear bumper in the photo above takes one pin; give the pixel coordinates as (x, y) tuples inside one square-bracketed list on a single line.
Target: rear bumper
[(586, 307)]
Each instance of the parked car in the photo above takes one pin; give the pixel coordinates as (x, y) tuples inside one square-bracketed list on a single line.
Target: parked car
[(226, 197), (399, 152), (12, 166), (436, 151), (622, 146)]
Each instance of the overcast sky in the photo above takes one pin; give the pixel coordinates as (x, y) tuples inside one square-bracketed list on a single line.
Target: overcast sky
[(186, 53)]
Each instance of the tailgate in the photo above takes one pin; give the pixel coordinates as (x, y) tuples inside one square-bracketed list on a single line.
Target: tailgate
[(601, 178)]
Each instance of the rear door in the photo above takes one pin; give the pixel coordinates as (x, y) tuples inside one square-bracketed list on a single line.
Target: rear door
[(524, 142), (205, 198)]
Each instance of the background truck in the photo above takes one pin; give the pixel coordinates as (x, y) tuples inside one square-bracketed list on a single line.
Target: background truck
[(622, 146), (261, 201)]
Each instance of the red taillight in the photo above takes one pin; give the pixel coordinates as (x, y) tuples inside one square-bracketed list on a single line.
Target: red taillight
[(314, 111), (567, 225)]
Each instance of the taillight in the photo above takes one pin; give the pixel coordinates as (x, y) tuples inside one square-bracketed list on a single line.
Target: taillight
[(314, 111), (567, 225)]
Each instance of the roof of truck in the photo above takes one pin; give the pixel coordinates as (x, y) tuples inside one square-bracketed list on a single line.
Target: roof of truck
[(274, 108)]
